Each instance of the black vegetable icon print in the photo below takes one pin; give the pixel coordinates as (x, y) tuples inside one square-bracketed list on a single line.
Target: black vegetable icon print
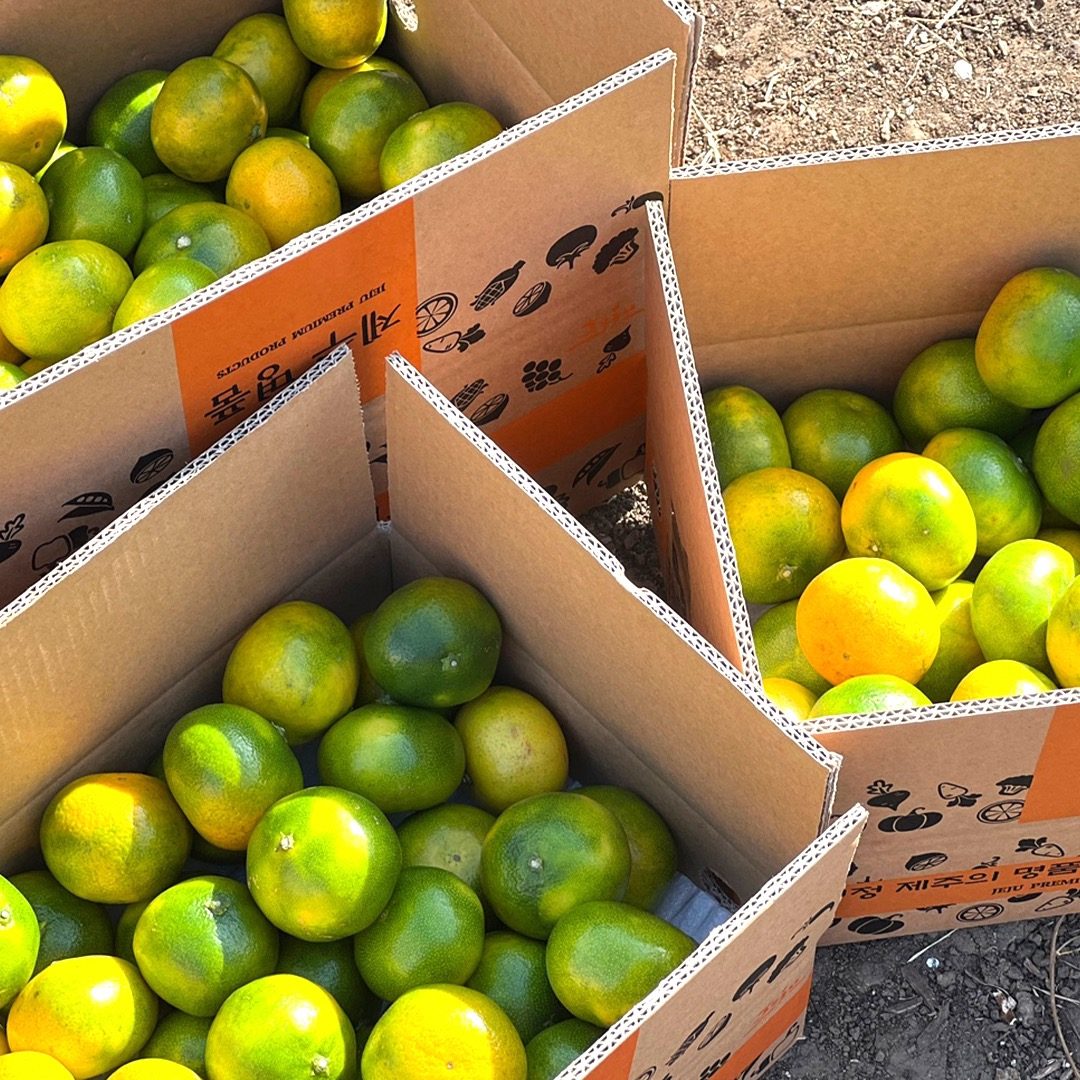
[(9, 546), (150, 465), (998, 813), (490, 410), (618, 250), (1013, 785), (753, 979), (1040, 847), (89, 503), (637, 202), (913, 821), (533, 299), (468, 394), (1057, 902), (958, 795), (569, 248), (498, 286), (435, 312), (538, 375), (872, 925), (612, 350), (591, 469), (919, 864), (461, 340), (796, 951), (1026, 898), (882, 794)]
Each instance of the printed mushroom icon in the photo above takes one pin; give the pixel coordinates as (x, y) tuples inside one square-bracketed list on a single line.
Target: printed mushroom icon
[(567, 249)]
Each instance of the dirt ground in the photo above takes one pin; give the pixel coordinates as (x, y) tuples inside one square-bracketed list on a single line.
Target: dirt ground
[(790, 76)]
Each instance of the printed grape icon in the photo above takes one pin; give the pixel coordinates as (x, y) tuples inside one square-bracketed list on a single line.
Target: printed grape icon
[(540, 374)]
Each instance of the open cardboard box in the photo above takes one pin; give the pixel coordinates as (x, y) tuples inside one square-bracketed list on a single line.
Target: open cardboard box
[(509, 275), (111, 647), (835, 270)]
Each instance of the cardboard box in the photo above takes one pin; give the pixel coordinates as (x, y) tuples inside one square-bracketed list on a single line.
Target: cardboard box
[(509, 275), (111, 647), (835, 270)]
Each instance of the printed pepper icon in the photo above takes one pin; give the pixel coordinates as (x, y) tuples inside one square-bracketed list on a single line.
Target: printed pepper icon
[(8, 544)]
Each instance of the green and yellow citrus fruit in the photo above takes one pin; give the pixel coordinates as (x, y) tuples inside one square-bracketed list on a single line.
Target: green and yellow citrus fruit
[(226, 766), (868, 694), (603, 957), (180, 1038), (322, 863), (1056, 460), (207, 112), (262, 45), (120, 120), (434, 643), (91, 1013), (942, 388), (514, 747), (337, 33), (785, 527), (11, 376), (31, 1065), (867, 617), (221, 237), (512, 972), (20, 940), (24, 216), (62, 297), (779, 654), (549, 853), (1001, 678), (1063, 637), (154, 1069), (444, 1030), (654, 858), (1014, 594), (34, 117), (959, 650), (325, 79), (124, 941), (115, 838), (433, 136), (353, 122), (202, 939), (296, 666), (281, 1027), (1028, 346), (1069, 539), (909, 510), (70, 926), (832, 434), (745, 431), (285, 187), (793, 699), (1002, 493), (165, 192), (367, 689), (558, 1046), (431, 931), (400, 757), (160, 286), (331, 965), (450, 837)]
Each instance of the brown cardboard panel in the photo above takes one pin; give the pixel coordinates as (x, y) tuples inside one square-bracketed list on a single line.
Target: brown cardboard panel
[(86, 632), (660, 693), (70, 438), (682, 510), (743, 999), (541, 56), (770, 249)]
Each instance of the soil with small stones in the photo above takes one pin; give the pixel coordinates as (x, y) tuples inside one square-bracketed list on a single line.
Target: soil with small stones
[(795, 76)]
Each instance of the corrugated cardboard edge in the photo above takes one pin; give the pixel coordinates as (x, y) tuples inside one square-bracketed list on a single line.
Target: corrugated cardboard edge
[(593, 546), (866, 153), (696, 26), (145, 506), (684, 352), (394, 197), (846, 829)]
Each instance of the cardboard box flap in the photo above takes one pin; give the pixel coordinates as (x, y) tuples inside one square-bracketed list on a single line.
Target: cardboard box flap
[(767, 782), (811, 234), (562, 47), (684, 488), (717, 1027), (260, 507)]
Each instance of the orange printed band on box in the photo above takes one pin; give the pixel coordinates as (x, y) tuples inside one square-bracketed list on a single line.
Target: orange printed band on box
[(986, 887), (1055, 793), (240, 349), (554, 430)]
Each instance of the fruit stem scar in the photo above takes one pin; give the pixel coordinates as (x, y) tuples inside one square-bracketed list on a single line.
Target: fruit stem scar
[(286, 843), (536, 863)]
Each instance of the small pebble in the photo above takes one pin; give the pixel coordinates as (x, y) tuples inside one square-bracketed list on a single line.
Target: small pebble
[(964, 71)]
